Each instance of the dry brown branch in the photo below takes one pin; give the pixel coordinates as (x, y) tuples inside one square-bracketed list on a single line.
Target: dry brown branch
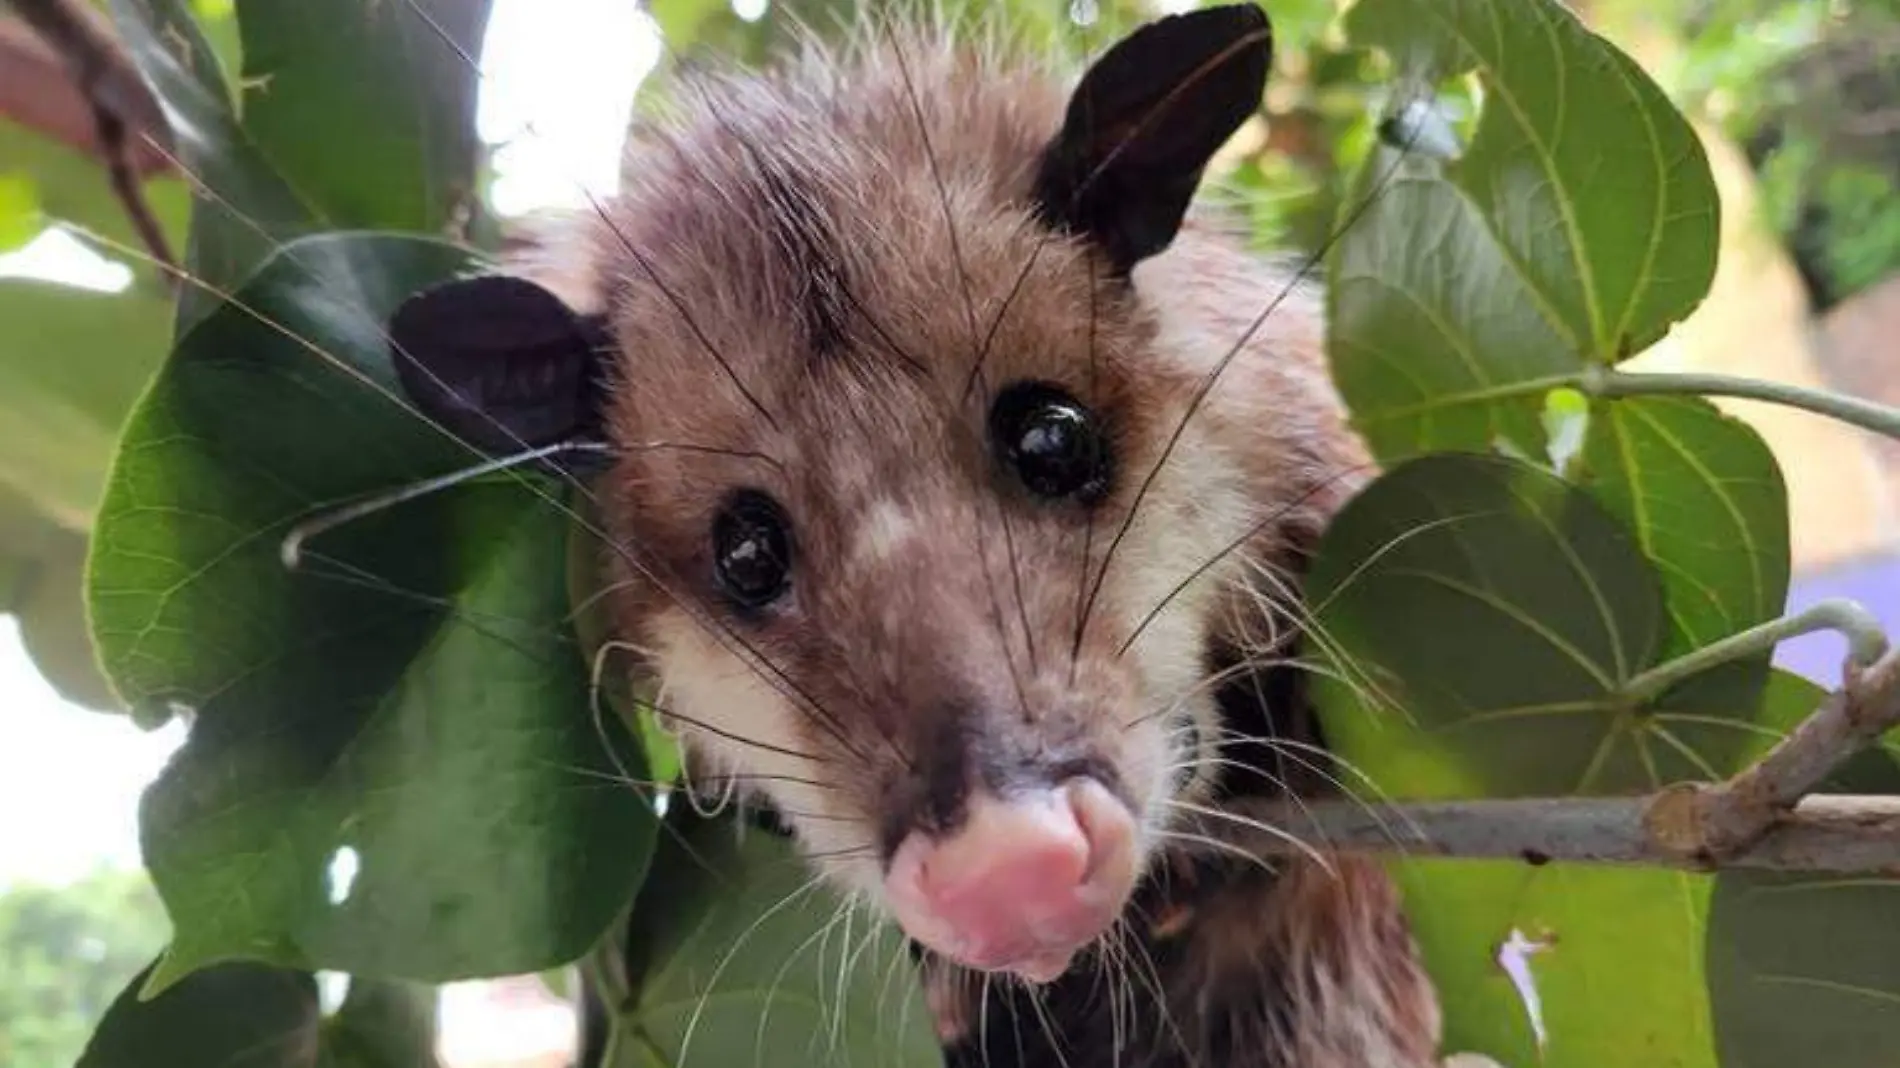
[(1763, 818), (63, 74)]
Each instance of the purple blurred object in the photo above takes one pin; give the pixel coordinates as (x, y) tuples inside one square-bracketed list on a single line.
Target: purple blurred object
[(1872, 580)]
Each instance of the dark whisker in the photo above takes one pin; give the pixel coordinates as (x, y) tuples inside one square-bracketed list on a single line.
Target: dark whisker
[(969, 308), (1232, 547), (699, 724), (627, 246), (705, 620), (348, 574), (1213, 377), (1088, 530)]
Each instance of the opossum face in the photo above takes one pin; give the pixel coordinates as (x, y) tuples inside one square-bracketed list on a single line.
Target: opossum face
[(889, 358)]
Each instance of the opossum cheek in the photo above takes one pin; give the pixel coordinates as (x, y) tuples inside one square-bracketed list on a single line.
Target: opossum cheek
[(1023, 883)]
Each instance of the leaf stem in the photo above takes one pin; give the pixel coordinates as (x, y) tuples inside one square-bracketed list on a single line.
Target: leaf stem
[(1866, 642), (1606, 382)]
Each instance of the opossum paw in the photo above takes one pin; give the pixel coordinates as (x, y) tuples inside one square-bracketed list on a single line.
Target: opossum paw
[(1470, 1060)]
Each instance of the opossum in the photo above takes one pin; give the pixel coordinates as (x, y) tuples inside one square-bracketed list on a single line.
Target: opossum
[(973, 545)]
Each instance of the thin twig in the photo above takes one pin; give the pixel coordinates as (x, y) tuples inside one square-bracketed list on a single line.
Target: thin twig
[(1761, 818), (1722, 820), (1828, 833), (123, 109)]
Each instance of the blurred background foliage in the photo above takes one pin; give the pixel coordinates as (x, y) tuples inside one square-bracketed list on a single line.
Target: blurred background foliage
[(65, 953), (1811, 90)]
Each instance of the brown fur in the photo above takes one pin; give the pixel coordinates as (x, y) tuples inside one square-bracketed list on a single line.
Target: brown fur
[(844, 236)]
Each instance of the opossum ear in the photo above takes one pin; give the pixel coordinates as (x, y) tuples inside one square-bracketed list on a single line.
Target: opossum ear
[(1143, 123), (501, 363)]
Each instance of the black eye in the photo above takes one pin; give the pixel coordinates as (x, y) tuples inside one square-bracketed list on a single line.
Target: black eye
[(752, 549), (1054, 443)]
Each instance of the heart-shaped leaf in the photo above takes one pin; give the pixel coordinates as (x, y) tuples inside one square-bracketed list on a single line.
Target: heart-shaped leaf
[(1435, 341), (1614, 247), (256, 1016), (42, 583), (1580, 222), (381, 1024), (1565, 966), (1500, 608), (740, 957), (1704, 497), (1504, 612), (72, 362), (395, 82), (1805, 968), (392, 769), (231, 1016), (1580, 946)]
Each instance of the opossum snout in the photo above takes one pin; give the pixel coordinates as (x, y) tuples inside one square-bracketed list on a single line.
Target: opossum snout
[(1023, 883)]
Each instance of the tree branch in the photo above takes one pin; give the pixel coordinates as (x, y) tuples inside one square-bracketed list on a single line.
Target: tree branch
[(1760, 819), (1821, 834), (98, 103), (1722, 820)]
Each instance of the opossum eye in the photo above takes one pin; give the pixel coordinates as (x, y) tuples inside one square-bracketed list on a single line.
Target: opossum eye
[(752, 549), (1050, 440)]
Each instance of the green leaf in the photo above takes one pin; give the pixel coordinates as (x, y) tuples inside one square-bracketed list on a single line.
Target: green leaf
[(233, 1016), (679, 20), (72, 362), (1580, 222), (1435, 341), (1704, 498), (382, 1025), (255, 1016), (1614, 248), (72, 187), (740, 957), (217, 19), (248, 210), (1623, 945), (47, 595), (1567, 426), (1501, 609), (1802, 969), (413, 693), (1616, 970), (1504, 612), (330, 86), (1703, 495), (20, 216)]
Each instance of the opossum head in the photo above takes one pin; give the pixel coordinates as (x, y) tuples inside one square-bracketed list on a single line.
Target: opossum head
[(946, 452)]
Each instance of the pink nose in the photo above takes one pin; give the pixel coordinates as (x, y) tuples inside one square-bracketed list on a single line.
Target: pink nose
[(1023, 884)]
